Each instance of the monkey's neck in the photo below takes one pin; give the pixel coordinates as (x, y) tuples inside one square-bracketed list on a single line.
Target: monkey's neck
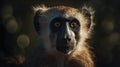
[(81, 58), (78, 58)]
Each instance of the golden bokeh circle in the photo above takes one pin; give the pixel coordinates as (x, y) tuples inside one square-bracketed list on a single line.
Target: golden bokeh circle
[(108, 25), (12, 26), (23, 41), (7, 11)]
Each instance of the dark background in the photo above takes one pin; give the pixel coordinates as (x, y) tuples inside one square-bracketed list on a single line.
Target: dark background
[(17, 33)]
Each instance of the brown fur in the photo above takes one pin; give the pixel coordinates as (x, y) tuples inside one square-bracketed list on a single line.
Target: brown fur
[(45, 53)]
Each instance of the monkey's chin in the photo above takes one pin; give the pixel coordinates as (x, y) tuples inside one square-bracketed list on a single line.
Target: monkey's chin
[(69, 52)]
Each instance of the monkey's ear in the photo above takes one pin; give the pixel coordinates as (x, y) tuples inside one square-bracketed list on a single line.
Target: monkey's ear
[(88, 12), (36, 22), (38, 17)]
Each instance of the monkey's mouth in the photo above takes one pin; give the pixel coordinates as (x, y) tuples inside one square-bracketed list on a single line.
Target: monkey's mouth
[(64, 46), (65, 49)]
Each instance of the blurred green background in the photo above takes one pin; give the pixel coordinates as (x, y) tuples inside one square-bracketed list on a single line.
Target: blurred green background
[(17, 33)]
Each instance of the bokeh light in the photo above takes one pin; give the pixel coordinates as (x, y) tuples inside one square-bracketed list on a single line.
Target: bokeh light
[(7, 11), (114, 38), (11, 26), (23, 41), (108, 25)]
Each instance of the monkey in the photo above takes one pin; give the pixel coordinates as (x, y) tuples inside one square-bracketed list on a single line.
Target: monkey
[(64, 34)]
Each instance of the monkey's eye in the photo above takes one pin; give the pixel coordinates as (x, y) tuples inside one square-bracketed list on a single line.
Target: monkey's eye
[(73, 24), (57, 24)]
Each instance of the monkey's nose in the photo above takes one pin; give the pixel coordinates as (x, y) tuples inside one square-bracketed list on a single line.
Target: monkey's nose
[(68, 39)]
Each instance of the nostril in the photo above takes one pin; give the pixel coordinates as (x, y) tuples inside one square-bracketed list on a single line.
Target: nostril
[(69, 39)]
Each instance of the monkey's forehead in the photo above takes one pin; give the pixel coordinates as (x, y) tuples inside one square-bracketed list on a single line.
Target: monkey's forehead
[(60, 11), (50, 15), (58, 8), (63, 10)]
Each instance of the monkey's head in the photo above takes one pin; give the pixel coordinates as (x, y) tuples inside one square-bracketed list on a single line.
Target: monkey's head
[(63, 28)]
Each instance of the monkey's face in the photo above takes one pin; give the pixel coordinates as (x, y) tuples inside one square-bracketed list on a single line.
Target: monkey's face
[(65, 31), (64, 28)]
